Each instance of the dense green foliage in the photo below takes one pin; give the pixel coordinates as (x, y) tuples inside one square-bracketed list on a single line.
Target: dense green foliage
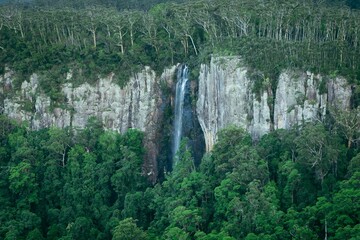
[(302, 183), (62, 186), (293, 184), (100, 38), (118, 4)]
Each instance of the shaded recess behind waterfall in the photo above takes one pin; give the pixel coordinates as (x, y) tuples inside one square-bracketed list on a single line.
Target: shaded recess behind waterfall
[(182, 122)]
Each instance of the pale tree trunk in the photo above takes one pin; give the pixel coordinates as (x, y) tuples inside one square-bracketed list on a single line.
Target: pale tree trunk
[(43, 37), (326, 230), (349, 142), (185, 45), (63, 158), (121, 39), (108, 31), (71, 35), (58, 33), (192, 42), (92, 27), (131, 29), (167, 29), (131, 37), (21, 31), (132, 19), (94, 38)]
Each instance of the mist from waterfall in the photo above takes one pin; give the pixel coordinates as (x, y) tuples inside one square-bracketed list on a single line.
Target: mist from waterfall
[(182, 79)]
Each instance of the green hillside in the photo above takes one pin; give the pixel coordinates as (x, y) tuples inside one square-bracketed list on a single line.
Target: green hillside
[(300, 183)]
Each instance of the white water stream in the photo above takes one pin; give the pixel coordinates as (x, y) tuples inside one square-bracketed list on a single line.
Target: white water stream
[(183, 77)]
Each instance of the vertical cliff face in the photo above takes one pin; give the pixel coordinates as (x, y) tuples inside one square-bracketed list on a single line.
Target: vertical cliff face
[(299, 97), (226, 97), (137, 105)]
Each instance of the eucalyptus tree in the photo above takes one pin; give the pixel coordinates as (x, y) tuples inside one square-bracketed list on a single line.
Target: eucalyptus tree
[(91, 23), (149, 30), (205, 18), (114, 24), (348, 123), (318, 151), (166, 21), (184, 15), (58, 144), (133, 18)]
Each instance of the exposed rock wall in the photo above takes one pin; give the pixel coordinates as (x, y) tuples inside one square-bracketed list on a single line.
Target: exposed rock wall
[(137, 105), (226, 97), (299, 100)]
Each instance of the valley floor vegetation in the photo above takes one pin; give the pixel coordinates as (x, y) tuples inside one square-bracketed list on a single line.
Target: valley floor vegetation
[(302, 183)]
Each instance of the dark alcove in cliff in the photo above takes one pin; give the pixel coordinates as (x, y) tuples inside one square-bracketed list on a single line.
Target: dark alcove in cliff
[(180, 121)]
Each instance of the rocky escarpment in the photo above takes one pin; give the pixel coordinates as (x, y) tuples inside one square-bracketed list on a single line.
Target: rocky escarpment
[(226, 96), (299, 97), (137, 105)]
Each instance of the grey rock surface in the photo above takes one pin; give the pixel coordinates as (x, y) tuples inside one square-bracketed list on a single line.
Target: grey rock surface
[(226, 97), (137, 105)]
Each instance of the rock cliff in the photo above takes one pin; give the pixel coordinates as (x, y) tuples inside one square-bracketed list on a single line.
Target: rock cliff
[(300, 99), (137, 105), (226, 96)]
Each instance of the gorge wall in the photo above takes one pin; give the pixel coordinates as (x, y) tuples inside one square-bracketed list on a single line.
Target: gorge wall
[(137, 105), (226, 96)]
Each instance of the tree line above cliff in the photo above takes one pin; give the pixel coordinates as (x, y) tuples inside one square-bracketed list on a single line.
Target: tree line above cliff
[(270, 35), (137, 4)]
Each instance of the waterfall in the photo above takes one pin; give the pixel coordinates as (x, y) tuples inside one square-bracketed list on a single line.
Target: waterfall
[(179, 109)]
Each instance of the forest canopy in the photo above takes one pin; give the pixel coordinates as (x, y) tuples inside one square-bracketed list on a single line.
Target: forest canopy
[(100, 38), (302, 183)]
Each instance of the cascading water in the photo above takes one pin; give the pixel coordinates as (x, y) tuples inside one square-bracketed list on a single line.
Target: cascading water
[(183, 77)]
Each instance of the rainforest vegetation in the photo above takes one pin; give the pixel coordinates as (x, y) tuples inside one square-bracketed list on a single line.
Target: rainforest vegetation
[(301, 183), (292, 184)]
